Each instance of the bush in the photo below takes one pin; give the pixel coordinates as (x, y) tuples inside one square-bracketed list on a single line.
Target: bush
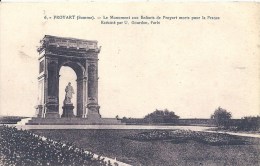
[(249, 123), (221, 117), (162, 116)]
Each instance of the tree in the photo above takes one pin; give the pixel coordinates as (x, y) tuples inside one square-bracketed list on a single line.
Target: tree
[(221, 117), (250, 123), (162, 116)]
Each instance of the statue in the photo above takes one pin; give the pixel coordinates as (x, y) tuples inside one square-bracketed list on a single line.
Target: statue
[(69, 91)]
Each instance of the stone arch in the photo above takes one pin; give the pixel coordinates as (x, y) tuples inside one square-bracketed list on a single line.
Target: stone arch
[(81, 86), (76, 66), (77, 54)]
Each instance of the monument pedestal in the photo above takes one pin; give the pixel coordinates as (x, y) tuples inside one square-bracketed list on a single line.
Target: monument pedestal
[(74, 121), (68, 111)]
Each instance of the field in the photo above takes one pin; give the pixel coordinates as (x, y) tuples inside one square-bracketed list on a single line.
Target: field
[(159, 147)]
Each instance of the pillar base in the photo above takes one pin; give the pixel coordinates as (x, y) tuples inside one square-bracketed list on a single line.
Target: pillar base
[(93, 111), (93, 115), (51, 115), (38, 111)]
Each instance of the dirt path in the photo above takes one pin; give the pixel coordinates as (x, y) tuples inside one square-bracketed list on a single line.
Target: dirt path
[(127, 127)]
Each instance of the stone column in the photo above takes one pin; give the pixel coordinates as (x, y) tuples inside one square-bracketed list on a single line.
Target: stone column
[(40, 99), (41, 84), (84, 98), (51, 89), (80, 97), (93, 107)]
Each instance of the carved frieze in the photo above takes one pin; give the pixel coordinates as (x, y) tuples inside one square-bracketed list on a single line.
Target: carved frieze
[(68, 44)]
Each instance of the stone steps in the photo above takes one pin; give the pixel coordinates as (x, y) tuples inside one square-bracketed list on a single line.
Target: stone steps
[(74, 121)]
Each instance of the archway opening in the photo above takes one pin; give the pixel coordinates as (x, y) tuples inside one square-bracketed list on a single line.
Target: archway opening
[(67, 74)]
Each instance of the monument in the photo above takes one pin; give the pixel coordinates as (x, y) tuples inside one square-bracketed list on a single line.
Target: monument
[(67, 104), (82, 57)]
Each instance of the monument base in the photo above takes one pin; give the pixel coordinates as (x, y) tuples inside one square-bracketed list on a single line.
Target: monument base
[(68, 111), (74, 121)]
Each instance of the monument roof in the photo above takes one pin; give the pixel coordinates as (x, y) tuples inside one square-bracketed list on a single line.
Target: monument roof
[(68, 43), (69, 38)]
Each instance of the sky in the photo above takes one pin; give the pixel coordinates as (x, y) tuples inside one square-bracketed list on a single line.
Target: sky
[(190, 67)]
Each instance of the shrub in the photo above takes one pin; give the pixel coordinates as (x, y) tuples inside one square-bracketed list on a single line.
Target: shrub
[(162, 116), (221, 117), (249, 123)]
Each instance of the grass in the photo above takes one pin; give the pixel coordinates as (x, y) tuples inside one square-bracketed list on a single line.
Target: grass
[(126, 147)]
